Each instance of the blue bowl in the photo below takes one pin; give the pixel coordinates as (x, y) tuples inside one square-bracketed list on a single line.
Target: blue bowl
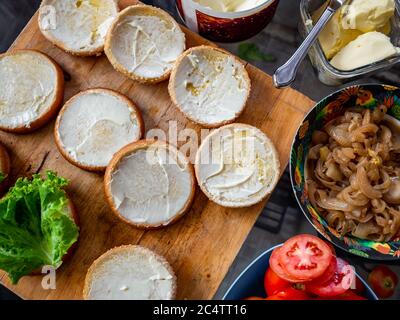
[(250, 282), (365, 96)]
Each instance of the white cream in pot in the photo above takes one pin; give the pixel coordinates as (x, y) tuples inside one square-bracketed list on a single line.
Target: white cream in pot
[(230, 5)]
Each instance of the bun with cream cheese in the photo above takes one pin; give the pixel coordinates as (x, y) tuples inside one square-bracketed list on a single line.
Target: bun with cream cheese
[(94, 124), (77, 26), (210, 86), (130, 273), (149, 184), (237, 166), (143, 43), (32, 90)]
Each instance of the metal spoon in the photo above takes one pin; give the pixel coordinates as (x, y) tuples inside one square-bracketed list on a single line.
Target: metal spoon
[(286, 74)]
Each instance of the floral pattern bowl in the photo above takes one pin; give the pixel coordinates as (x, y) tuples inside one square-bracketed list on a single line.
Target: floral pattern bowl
[(366, 96)]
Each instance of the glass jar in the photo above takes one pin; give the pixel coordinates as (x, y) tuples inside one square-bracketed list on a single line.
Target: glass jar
[(329, 75)]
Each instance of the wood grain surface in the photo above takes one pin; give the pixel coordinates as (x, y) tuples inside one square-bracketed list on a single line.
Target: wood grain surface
[(202, 245)]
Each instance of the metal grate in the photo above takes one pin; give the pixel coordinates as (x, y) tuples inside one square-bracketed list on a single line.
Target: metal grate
[(281, 201)]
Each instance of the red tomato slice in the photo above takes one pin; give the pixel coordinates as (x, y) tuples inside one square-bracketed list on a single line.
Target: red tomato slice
[(290, 294), (277, 268), (254, 298), (328, 274), (348, 295), (339, 283), (273, 283), (305, 257)]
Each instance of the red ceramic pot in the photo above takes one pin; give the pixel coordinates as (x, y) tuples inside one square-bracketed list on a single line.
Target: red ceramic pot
[(226, 26)]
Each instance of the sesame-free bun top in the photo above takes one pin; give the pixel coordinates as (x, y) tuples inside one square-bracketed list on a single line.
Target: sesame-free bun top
[(237, 166), (130, 273), (77, 26), (144, 42), (149, 184), (32, 89), (210, 86), (95, 124)]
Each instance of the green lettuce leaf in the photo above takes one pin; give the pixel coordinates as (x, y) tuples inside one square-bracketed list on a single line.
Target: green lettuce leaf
[(35, 226), (251, 52), (2, 177)]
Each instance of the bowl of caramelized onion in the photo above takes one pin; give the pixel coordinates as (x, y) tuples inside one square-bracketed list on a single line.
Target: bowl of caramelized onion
[(345, 170)]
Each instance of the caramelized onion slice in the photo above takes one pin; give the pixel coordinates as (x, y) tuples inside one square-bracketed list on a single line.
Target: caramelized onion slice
[(393, 195), (364, 185), (328, 203)]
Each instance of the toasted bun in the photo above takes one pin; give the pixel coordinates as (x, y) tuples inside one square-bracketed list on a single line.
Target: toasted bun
[(149, 184), (210, 86), (5, 167), (32, 89), (146, 34), (77, 26), (94, 124), (130, 273), (237, 166)]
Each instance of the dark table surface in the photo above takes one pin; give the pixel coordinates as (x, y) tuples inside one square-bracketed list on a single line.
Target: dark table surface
[(281, 217)]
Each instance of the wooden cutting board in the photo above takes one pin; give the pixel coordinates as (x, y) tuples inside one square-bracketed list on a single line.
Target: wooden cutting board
[(200, 247)]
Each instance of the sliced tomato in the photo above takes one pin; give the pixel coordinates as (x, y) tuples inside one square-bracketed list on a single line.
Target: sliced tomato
[(254, 298), (277, 268), (305, 257), (348, 295), (273, 283), (338, 284), (289, 294), (328, 274)]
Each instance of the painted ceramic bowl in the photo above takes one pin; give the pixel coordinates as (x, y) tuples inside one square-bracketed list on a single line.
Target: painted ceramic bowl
[(250, 283), (226, 26), (366, 96)]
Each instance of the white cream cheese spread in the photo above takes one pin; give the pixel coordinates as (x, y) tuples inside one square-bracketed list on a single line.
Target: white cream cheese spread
[(28, 87), (147, 44), (230, 5), (134, 274), (96, 124), (237, 165), (78, 25), (152, 185), (210, 87)]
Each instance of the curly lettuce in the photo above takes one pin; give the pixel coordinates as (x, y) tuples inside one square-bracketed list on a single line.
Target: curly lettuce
[(2, 177), (36, 228)]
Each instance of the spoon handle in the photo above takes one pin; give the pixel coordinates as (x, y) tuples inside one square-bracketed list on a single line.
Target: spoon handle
[(286, 74)]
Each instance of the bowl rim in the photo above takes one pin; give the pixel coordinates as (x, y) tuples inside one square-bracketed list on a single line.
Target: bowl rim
[(368, 84), (259, 257), (248, 267)]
